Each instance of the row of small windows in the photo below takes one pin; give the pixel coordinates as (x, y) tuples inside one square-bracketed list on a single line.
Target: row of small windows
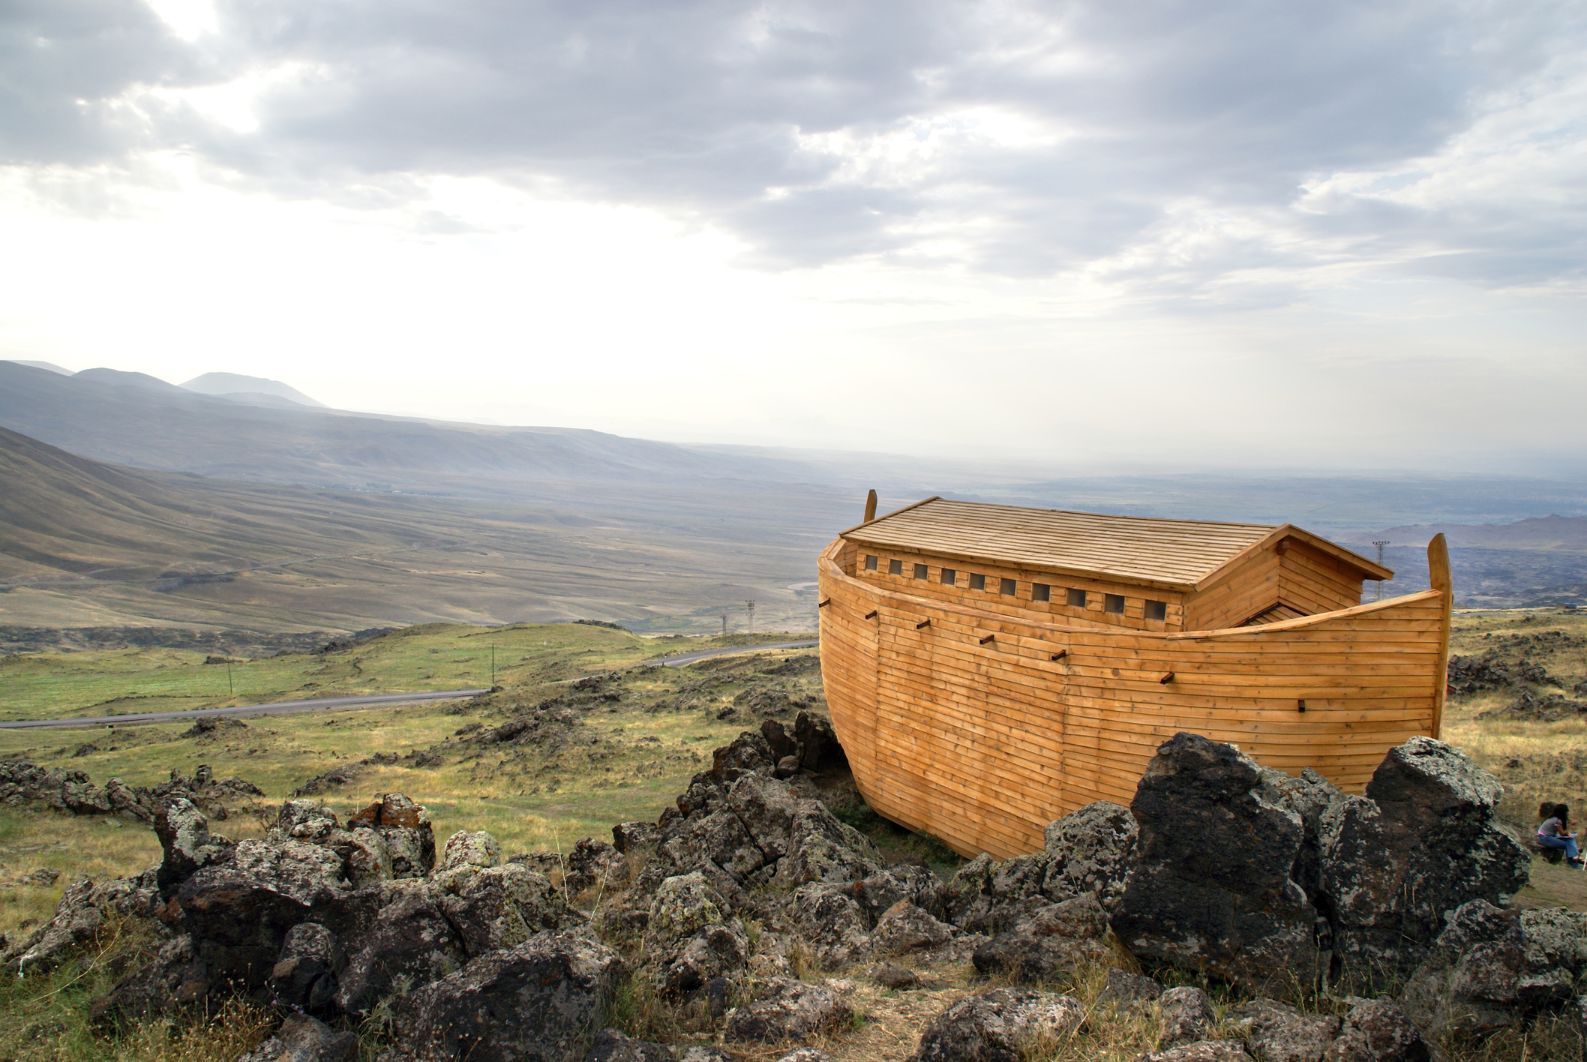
[(1074, 597)]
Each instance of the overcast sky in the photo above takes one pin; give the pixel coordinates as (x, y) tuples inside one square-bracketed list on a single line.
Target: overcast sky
[(1171, 235)]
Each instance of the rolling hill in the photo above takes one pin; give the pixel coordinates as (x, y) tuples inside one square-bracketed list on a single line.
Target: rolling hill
[(107, 415), (254, 390), (84, 543)]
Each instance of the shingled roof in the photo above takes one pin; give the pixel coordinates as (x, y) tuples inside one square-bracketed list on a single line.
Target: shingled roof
[(1179, 554)]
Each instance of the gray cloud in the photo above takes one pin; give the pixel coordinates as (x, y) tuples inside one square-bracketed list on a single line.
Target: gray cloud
[(701, 107)]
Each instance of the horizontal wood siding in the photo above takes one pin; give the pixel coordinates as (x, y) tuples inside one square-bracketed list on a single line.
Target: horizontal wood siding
[(1312, 581), (982, 741), (1243, 589)]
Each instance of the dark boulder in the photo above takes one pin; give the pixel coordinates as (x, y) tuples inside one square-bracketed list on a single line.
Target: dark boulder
[(1003, 1025), (1424, 841), (905, 927), (304, 977), (405, 939), (302, 1038), (1493, 969), (613, 1046), (1053, 941), (1276, 1032), (1186, 1014), (1211, 889), (1377, 1030), (542, 1000), (788, 1010)]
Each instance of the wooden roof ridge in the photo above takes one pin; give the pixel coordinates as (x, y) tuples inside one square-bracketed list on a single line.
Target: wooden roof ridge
[(1205, 561), (1371, 569)]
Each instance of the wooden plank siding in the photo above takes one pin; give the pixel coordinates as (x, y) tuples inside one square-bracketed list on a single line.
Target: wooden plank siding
[(982, 741)]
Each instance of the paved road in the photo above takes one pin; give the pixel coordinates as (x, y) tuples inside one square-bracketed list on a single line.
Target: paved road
[(706, 654), (278, 708), (323, 703)]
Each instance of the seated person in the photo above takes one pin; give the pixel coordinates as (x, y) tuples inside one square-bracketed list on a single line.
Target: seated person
[(1554, 832)]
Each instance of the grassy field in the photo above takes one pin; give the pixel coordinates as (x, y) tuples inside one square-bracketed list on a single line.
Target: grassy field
[(431, 657), (619, 756)]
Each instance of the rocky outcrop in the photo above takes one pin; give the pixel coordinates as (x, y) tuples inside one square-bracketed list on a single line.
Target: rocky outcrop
[(23, 783), (541, 1000), (1088, 853), (788, 1010), (1003, 1025), (1211, 889), (1052, 942), (1494, 969), (1276, 883)]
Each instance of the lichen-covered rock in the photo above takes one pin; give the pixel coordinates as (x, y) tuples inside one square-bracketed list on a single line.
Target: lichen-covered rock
[(1424, 841), (405, 941), (827, 919), (1051, 942), (501, 906), (305, 820), (177, 978), (1280, 1033), (78, 916), (1186, 1014), (1377, 1030), (302, 1038), (690, 938), (905, 927), (1089, 853), (185, 842), (1210, 890), (788, 1010), (592, 864), (1003, 1025), (1470, 982), (613, 1046), (1493, 969), (1200, 1051), (541, 1000), (304, 977), (1125, 989), (466, 849), (632, 836), (405, 828)]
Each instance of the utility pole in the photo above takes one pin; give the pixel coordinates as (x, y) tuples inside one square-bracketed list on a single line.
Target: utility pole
[(1380, 543), (724, 624), (231, 691), (749, 606), (493, 667)]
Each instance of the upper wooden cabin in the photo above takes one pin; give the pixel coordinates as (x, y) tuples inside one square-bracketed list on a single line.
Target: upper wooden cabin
[(1142, 573)]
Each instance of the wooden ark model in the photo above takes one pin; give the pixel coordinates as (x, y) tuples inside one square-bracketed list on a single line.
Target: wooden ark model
[(991, 668)]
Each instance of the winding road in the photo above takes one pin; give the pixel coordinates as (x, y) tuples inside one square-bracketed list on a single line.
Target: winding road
[(317, 704)]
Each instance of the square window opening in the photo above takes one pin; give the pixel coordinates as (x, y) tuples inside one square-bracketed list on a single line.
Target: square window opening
[(895, 567), (920, 571), (1156, 610), (1006, 586), (1076, 598), (1040, 592), (977, 581), (1113, 603), (870, 562), (949, 577)]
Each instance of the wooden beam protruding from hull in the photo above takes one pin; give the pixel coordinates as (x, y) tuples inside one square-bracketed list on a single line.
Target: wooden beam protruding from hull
[(1439, 577), (870, 506)]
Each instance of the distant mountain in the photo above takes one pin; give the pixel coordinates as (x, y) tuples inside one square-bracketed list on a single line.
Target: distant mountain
[(48, 366), (134, 419), (253, 389), (82, 542), (1552, 533)]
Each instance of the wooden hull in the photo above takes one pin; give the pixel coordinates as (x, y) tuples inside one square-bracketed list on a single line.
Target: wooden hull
[(982, 742)]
